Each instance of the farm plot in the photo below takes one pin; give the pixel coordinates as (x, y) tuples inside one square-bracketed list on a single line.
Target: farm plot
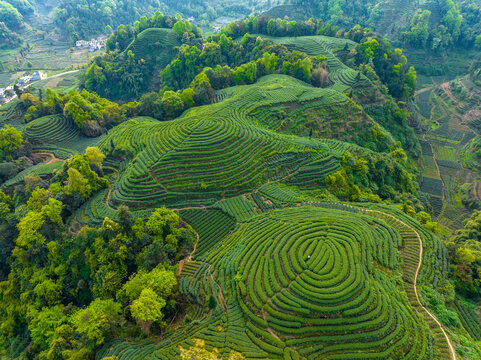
[(430, 168), (432, 186), (212, 226), (309, 282), (426, 148)]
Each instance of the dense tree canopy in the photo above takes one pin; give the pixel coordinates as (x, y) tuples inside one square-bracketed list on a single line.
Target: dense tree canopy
[(76, 288)]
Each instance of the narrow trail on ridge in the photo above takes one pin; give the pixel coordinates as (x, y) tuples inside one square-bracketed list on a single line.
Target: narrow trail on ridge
[(421, 251), (52, 156)]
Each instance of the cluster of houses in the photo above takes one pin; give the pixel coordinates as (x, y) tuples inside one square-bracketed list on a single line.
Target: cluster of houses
[(220, 23), (92, 45), (7, 94), (36, 76)]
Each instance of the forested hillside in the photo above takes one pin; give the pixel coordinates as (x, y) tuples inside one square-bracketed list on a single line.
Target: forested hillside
[(12, 21), (89, 17), (277, 189), (430, 25)]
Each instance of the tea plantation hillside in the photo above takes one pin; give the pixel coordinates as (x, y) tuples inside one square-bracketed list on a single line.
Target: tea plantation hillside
[(250, 197), (274, 274), (319, 281), (341, 76), (221, 150), (154, 45)]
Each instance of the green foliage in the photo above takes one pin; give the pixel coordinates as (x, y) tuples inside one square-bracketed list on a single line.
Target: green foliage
[(172, 104), (148, 306), (419, 34), (148, 294), (80, 176), (10, 16), (91, 113), (10, 140), (159, 280), (8, 39), (43, 324), (477, 42), (465, 251), (97, 320), (81, 21), (134, 55)]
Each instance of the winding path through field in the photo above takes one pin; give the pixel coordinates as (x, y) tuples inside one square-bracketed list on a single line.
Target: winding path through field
[(421, 250), (51, 155), (447, 89), (53, 77)]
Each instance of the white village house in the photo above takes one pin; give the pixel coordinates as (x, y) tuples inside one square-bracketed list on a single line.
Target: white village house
[(24, 80), (82, 43), (92, 45), (38, 75), (7, 94)]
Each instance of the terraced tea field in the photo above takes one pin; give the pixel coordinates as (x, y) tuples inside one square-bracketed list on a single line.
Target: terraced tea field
[(443, 150), (342, 77), (316, 281), (52, 129), (220, 151), (155, 45)]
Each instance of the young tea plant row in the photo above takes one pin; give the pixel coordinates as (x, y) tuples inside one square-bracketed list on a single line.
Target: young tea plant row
[(212, 226), (470, 320), (305, 278), (51, 129), (212, 152)]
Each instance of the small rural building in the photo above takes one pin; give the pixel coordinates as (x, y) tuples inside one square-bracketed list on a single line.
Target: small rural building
[(38, 75), (24, 80)]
